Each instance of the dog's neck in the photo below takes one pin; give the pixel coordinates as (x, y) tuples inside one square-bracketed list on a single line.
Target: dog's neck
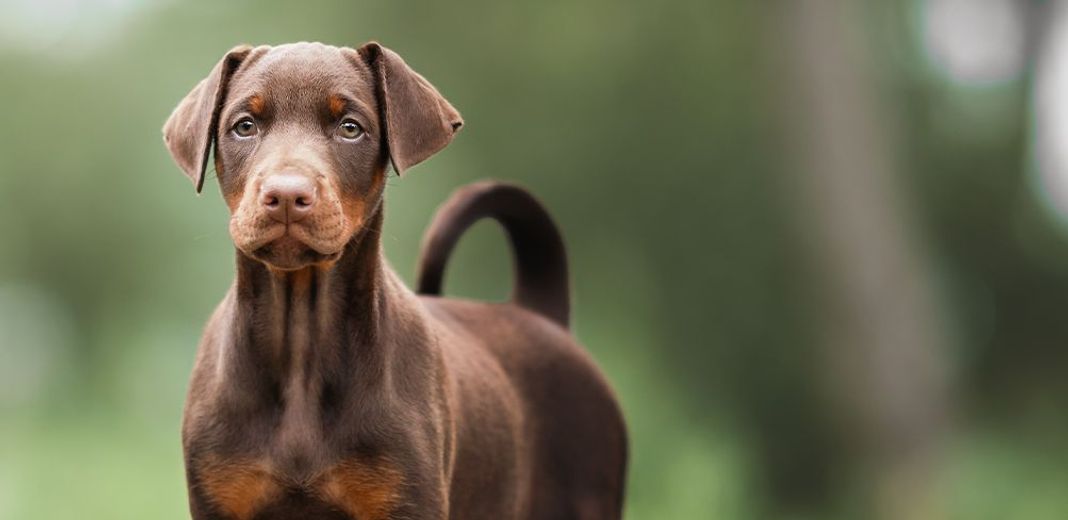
[(303, 331), (305, 343)]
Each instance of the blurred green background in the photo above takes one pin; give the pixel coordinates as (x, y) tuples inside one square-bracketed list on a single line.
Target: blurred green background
[(818, 247)]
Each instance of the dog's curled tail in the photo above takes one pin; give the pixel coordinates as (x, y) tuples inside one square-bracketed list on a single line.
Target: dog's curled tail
[(541, 280)]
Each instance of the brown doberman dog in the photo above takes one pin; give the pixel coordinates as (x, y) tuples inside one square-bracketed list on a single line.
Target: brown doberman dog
[(323, 387)]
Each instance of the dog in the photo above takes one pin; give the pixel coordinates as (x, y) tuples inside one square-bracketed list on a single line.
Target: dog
[(323, 388)]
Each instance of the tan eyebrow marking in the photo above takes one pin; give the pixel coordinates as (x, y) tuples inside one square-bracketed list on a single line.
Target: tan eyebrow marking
[(337, 105), (256, 104)]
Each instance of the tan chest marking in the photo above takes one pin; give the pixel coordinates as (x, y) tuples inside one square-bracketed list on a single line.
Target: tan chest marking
[(365, 490), (368, 490), (237, 488)]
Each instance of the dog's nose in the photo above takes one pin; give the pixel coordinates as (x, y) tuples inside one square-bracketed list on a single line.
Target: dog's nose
[(287, 197)]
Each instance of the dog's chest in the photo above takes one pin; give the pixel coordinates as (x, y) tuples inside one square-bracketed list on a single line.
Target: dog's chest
[(256, 489), (295, 474)]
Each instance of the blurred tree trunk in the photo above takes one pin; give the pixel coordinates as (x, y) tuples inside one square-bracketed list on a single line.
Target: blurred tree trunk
[(875, 314)]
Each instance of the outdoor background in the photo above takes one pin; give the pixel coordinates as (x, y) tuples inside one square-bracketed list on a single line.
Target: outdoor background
[(818, 246)]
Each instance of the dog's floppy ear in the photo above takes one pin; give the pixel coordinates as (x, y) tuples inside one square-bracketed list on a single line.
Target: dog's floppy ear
[(418, 121), (190, 130)]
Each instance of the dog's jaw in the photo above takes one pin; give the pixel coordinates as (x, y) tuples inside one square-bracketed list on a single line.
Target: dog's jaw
[(320, 238)]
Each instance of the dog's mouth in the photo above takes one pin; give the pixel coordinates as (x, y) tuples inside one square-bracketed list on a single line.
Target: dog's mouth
[(289, 247), (319, 236), (289, 253)]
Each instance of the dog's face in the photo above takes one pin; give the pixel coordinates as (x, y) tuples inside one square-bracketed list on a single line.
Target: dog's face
[(302, 134), (299, 154)]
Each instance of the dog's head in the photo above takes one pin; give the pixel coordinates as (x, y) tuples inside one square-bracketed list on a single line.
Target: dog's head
[(302, 135)]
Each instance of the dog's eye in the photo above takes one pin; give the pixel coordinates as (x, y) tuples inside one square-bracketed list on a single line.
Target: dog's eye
[(245, 128), (349, 129)]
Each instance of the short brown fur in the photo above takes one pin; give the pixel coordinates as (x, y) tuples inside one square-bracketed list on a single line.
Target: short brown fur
[(323, 387)]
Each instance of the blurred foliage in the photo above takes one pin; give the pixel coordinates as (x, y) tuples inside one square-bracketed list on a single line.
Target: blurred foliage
[(650, 131)]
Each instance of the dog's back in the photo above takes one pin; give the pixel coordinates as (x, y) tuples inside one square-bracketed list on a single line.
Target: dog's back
[(570, 451)]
